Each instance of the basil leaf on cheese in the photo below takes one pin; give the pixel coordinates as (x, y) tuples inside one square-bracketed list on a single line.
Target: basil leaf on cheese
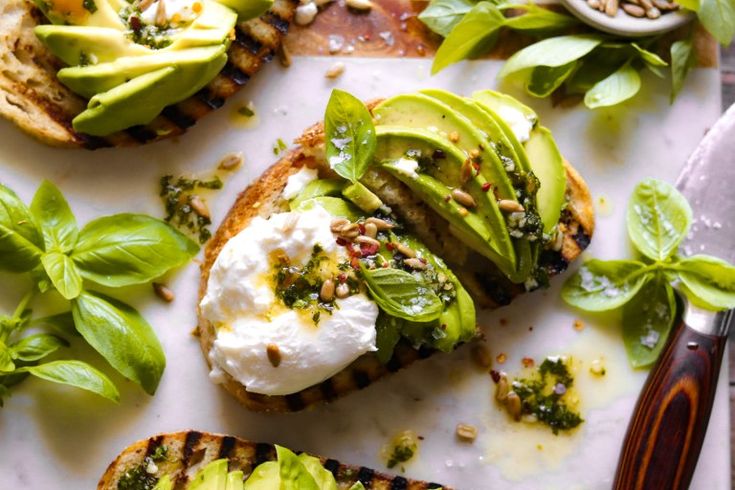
[(350, 135), (400, 294), (127, 249)]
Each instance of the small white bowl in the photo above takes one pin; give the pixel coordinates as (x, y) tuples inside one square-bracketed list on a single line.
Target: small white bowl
[(627, 25)]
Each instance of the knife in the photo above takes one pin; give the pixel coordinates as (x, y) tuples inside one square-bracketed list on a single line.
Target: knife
[(666, 432)]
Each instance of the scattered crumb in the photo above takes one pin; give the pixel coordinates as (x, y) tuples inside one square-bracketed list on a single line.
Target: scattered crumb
[(527, 362), (578, 325), (501, 358), (597, 367)]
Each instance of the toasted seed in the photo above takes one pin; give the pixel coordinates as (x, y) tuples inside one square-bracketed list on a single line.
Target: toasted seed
[(475, 154), (601, 6), (199, 206), (326, 293), (380, 223), (160, 19), (453, 136), (653, 13), (466, 432), (408, 252), (144, 4), (371, 230), (337, 224), (335, 71), (646, 4), (349, 231), (367, 240), (665, 6), (342, 291), (513, 404), (362, 5), (463, 198), (510, 206), (502, 389), (284, 55), (481, 356), (611, 9), (274, 354), (595, 4), (633, 10), (163, 292), (230, 161), (415, 263)]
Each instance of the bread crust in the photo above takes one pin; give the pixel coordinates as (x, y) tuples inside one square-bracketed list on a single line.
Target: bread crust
[(33, 98), (262, 198), (188, 451)]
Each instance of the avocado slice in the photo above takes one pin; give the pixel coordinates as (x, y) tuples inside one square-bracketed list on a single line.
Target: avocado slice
[(141, 99), (318, 188), (248, 9), (164, 483), (362, 197), (519, 117), (76, 44), (422, 111), (333, 205), (483, 229), (235, 480), (211, 477), (88, 81), (265, 476), (548, 165)]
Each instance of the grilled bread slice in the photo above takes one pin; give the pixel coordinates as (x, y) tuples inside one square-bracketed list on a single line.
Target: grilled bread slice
[(33, 98), (479, 276), (188, 451)]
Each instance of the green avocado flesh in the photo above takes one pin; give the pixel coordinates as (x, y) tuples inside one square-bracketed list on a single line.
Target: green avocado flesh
[(115, 56)]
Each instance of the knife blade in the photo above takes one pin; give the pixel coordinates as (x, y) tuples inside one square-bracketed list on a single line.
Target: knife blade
[(667, 429)]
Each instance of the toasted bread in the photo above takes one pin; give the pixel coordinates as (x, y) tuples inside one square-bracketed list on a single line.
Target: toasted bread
[(487, 286), (188, 451), (33, 98)]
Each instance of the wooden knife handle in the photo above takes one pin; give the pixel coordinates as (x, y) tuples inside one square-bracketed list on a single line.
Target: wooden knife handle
[(666, 432)]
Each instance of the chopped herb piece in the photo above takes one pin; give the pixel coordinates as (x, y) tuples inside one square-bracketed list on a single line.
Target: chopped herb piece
[(137, 479), (245, 111), (177, 196), (279, 146), (160, 453), (402, 448), (89, 6)]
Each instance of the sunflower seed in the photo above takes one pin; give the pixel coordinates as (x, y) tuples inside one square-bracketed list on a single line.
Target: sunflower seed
[(335, 71), (326, 293), (510, 206), (653, 13), (367, 240), (274, 354), (633, 10), (284, 56), (466, 432), (380, 223), (199, 206), (463, 198), (502, 389), (481, 356), (163, 292), (362, 5), (415, 263), (408, 252), (371, 230), (513, 404), (230, 161), (611, 9)]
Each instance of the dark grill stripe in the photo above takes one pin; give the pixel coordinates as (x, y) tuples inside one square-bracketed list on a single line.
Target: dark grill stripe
[(361, 378), (263, 453), (93, 142), (365, 475), (434, 485), (142, 134), (582, 239), (332, 465), (212, 102), (327, 389), (235, 74), (247, 42), (295, 402), (228, 443), (177, 117), (399, 483), (394, 364), (153, 444), (192, 438), (425, 351), (276, 21)]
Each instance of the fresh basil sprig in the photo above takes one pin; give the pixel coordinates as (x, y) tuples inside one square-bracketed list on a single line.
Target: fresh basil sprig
[(121, 250), (350, 135), (658, 219)]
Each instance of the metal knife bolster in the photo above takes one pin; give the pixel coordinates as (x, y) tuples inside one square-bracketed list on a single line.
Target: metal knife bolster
[(707, 322)]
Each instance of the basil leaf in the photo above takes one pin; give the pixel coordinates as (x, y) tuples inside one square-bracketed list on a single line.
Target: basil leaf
[(442, 15), (618, 87), (127, 249), (292, 471), (682, 60), (718, 17), (62, 323), (538, 20), (400, 294), (709, 281), (555, 51), (52, 212), (122, 336), (63, 274), (647, 321), (658, 218), (78, 374), (358, 486), (596, 66), (475, 29), (545, 79), (350, 135), (604, 285), (21, 244), (6, 359), (36, 347), (388, 330), (649, 57)]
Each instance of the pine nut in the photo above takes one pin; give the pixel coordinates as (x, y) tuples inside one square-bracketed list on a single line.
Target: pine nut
[(408, 252), (502, 389), (463, 198), (343, 290), (163, 292), (371, 230), (633, 10), (510, 206), (380, 223), (335, 71), (415, 263), (199, 206), (466, 432), (274, 354), (230, 161), (337, 224), (653, 13), (513, 404), (361, 5), (326, 293), (611, 9), (367, 240)]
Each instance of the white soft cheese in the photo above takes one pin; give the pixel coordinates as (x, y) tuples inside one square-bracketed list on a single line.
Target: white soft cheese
[(182, 9), (296, 182), (243, 307), (407, 166), (517, 121)]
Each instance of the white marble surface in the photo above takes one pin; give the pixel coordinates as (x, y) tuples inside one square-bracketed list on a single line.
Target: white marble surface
[(51, 437)]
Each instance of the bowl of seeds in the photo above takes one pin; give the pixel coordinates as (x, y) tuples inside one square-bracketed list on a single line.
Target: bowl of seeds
[(630, 18)]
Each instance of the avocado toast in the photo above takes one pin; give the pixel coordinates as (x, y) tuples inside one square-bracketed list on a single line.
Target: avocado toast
[(441, 219), (34, 98), (182, 458)]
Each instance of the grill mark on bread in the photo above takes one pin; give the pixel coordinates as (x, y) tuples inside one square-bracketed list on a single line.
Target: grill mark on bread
[(153, 444), (399, 483), (263, 453), (192, 438), (228, 444)]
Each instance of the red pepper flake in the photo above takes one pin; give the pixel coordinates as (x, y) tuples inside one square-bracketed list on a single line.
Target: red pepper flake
[(527, 362), (342, 242), (355, 263), (342, 278), (361, 226), (486, 186), (495, 375), (385, 265), (367, 249), (390, 246)]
